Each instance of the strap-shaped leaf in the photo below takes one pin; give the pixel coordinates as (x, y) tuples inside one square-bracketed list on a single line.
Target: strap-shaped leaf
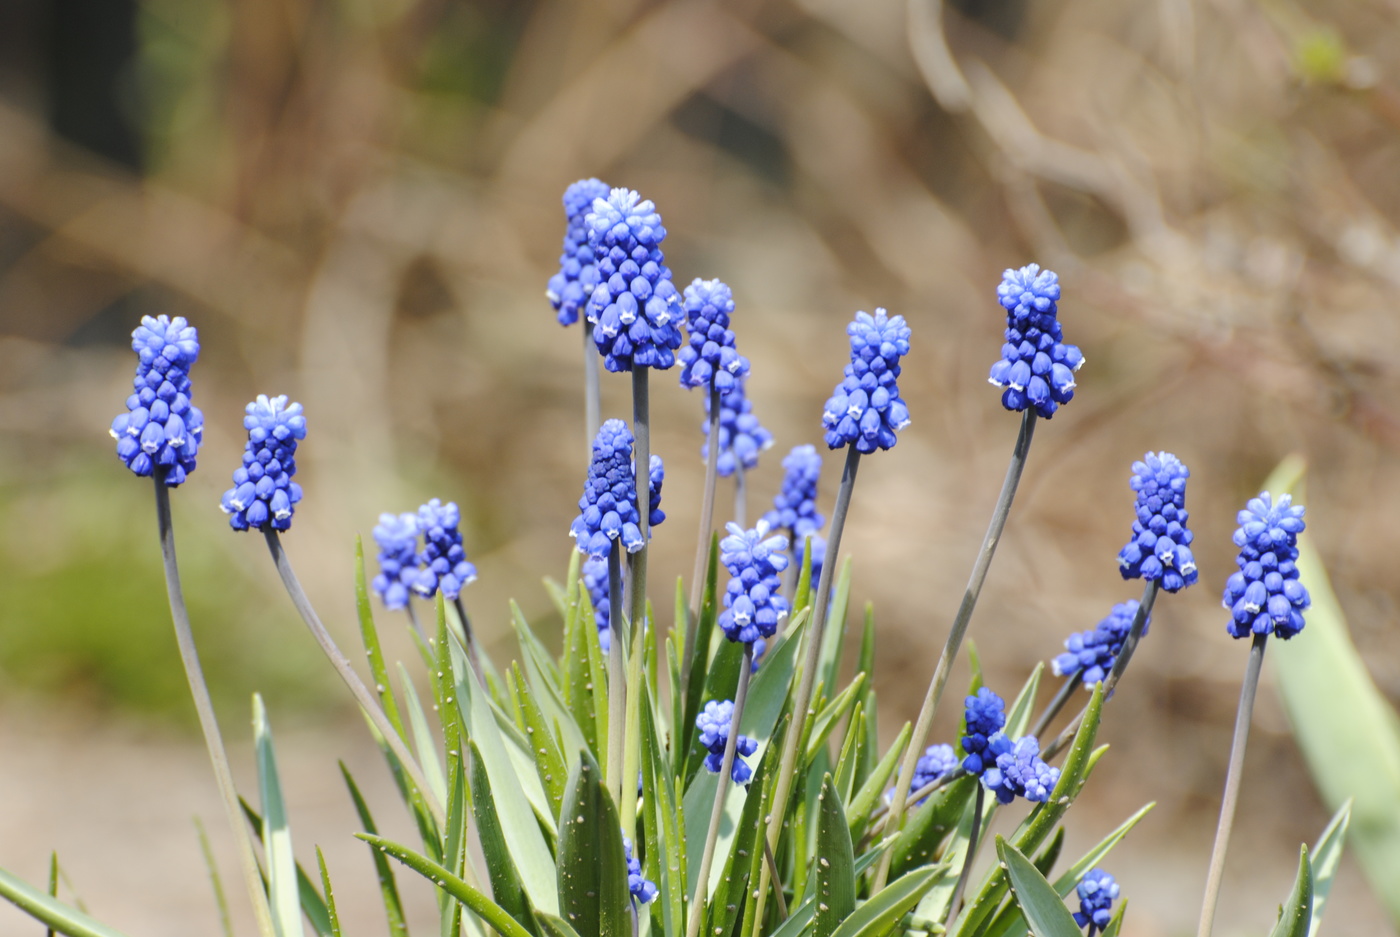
[(549, 759), (851, 753), (663, 825), (593, 895), (283, 896), (1115, 923), (332, 918), (1295, 917), (388, 888), (744, 856), (832, 713), (506, 887), (880, 914), (799, 922), (1326, 856), (836, 863), (699, 674), (585, 689), (870, 793), (834, 638), (1045, 862), (50, 911), (929, 825), (1043, 908), (312, 904)]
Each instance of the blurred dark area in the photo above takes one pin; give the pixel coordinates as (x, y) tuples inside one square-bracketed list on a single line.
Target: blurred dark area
[(357, 203)]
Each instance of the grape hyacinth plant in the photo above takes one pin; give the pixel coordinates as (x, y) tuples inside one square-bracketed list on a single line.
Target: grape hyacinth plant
[(715, 724), (1037, 366), (1097, 891), (162, 429)]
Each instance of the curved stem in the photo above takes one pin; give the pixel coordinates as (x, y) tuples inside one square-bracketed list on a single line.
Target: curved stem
[(347, 673), (204, 706), (955, 635), (697, 901), (617, 683), (707, 523), (972, 845), (1232, 784), (592, 418)]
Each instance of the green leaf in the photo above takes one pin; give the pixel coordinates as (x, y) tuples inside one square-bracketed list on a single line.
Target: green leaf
[(332, 918), (870, 793), (663, 825), (549, 759), (836, 861), (1327, 854), (49, 910), (1045, 862), (492, 913), (556, 926), (506, 887), (220, 899), (1044, 910), (585, 691), (1295, 917), (1115, 923), (852, 751), (802, 592), (742, 860), (283, 896), (424, 741), (312, 904), (799, 922), (388, 888), (929, 824), (700, 670), (593, 894), (834, 637), (881, 913), (831, 714), (1018, 717)]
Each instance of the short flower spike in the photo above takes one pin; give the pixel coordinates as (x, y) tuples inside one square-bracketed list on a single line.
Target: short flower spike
[(936, 763), (984, 715), (161, 427), (1091, 654), (1019, 770), (643, 890), (865, 410), (397, 538), (715, 724), (752, 605), (1097, 891), (569, 289), (1266, 595), (635, 308), (263, 493), (443, 562), (595, 580), (741, 436), (709, 354), (795, 507), (608, 508), (1037, 366), (1160, 549)]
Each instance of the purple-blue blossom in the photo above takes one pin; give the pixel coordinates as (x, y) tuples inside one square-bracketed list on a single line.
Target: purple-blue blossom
[(715, 724), (443, 562), (709, 354), (263, 492), (608, 508), (1097, 891), (656, 476), (752, 605), (397, 538), (984, 714), (1266, 594), (161, 428), (1036, 366), (1091, 654), (741, 436), (642, 889), (1160, 548), (635, 308), (1018, 770), (865, 410), (795, 506), (569, 289), (936, 763), (595, 580)]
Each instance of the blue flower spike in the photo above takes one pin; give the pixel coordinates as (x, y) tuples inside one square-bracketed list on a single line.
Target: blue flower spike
[(709, 354), (656, 475), (443, 562), (936, 763), (643, 890), (984, 714), (608, 508), (1266, 595), (1097, 891), (795, 506), (715, 724), (1018, 770), (595, 580), (865, 410), (161, 428), (1160, 548), (741, 436), (397, 538), (635, 309), (1091, 654), (752, 605), (1037, 366), (569, 289), (263, 493)]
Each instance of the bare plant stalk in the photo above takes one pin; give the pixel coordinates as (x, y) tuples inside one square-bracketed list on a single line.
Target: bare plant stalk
[(1233, 775), (204, 706), (972, 845), (617, 682), (741, 496), (347, 673), (592, 418), (955, 636), (697, 901), (707, 523), (1062, 696), (469, 639), (631, 727)]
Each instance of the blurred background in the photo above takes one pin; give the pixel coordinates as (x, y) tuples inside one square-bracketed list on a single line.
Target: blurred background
[(357, 203)]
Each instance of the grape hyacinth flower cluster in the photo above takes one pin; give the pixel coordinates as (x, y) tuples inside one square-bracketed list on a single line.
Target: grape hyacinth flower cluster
[(1091, 654), (397, 537), (1037, 366), (865, 409), (1266, 595), (741, 436), (569, 289), (715, 723), (1097, 891), (635, 308), (642, 889), (752, 605), (1161, 546), (710, 354), (263, 492), (656, 476), (984, 715), (936, 763), (161, 428), (1019, 770), (443, 560), (795, 506), (595, 580), (608, 508)]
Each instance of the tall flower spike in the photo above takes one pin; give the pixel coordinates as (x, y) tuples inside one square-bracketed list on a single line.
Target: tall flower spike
[(715, 724), (710, 351), (865, 409), (1091, 654), (608, 508), (569, 289), (752, 605), (1097, 891), (795, 507), (741, 436), (1161, 545), (984, 715), (263, 492), (161, 427), (1266, 594), (595, 580), (1019, 770), (635, 309), (443, 560), (643, 890), (397, 537), (1037, 366)]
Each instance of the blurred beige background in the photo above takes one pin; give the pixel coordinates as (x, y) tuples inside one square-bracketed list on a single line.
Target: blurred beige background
[(357, 203)]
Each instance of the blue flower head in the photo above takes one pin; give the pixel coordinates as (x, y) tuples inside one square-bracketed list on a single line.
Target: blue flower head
[(984, 715), (635, 308), (656, 475), (1018, 770), (569, 289), (715, 723), (1091, 654), (752, 605), (1097, 891), (263, 491), (608, 508), (865, 409), (795, 507), (161, 427), (710, 353), (595, 580), (1160, 549), (741, 436), (1037, 366), (643, 890), (443, 561), (1266, 594), (397, 537), (937, 762)]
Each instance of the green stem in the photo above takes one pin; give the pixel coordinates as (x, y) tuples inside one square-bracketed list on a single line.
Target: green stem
[(469, 639), (955, 636), (741, 496), (972, 844), (592, 418), (1062, 696), (204, 706)]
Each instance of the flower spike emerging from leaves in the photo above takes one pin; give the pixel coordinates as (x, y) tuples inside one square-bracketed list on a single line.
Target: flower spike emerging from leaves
[(936, 763), (1097, 892), (1266, 594), (263, 492), (608, 508), (984, 715), (1091, 654), (1160, 549), (443, 561), (569, 289), (865, 410), (1037, 366), (397, 537), (1019, 770), (161, 427), (642, 889), (715, 724), (752, 605)]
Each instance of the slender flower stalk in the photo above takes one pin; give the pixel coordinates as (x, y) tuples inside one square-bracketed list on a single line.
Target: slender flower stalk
[(617, 681), (972, 844), (1057, 703), (592, 392), (707, 523), (741, 500)]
